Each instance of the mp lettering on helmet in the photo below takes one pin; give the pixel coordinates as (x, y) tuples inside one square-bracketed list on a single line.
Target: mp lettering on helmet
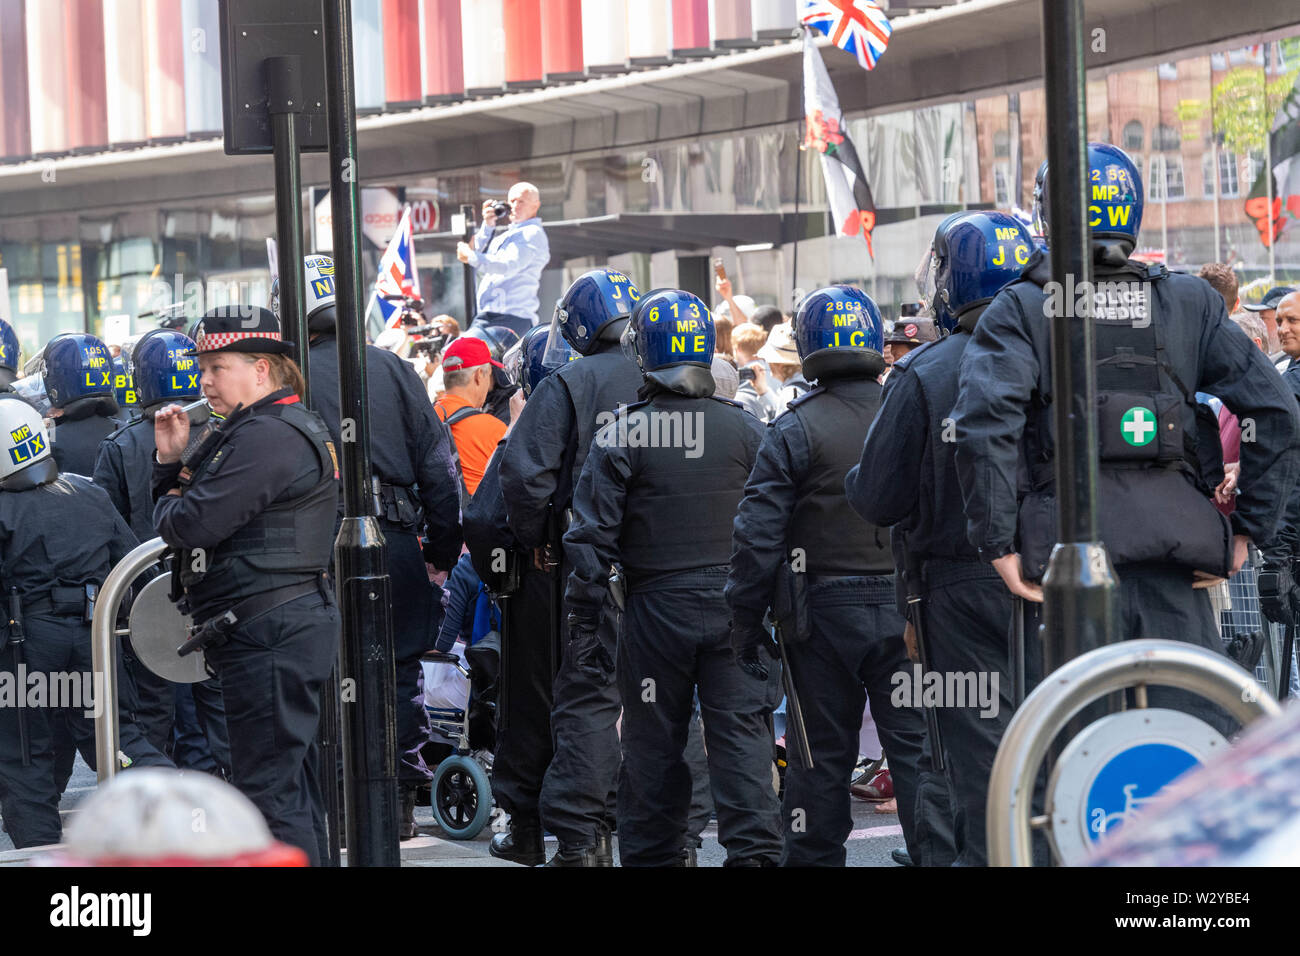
[(1138, 425), (27, 444)]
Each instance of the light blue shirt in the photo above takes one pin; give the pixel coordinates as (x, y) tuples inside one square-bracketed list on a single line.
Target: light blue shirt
[(510, 267)]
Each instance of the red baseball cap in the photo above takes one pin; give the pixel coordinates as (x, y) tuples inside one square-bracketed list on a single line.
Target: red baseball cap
[(467, 352)]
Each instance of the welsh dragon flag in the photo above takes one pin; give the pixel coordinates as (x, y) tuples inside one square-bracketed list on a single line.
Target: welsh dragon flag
[(852, 207)]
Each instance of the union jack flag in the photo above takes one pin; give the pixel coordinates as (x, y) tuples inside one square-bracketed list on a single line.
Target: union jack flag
[(397, 272), (856, 26)]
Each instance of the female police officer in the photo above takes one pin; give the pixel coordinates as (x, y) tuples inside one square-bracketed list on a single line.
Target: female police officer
[(249, 508)]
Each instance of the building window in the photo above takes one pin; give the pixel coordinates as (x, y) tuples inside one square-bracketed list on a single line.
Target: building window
[(1134, 135), (1001, 144), (1228, 181), (1165, 138), (1001, 185), (1165, 181)]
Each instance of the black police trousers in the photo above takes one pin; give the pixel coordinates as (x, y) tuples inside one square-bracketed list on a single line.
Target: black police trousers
[(417, 613), (56, 648), (855, 649), (1158, 601), (968, 620), (529, 656), (272, 670), (676, 638), (577, 797), (162, 721)]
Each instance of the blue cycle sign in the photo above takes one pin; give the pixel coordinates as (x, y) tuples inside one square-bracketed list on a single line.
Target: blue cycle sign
[(1130, 779)]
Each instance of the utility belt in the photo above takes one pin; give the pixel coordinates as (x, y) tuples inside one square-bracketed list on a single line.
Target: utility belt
[(1150, 514), (76, 603), (397, 505), (216, 631)]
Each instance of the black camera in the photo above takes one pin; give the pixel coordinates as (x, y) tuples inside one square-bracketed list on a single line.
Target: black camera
[(746, 374), (502, 209)]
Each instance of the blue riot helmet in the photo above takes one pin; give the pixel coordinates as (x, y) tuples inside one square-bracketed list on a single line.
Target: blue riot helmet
[(526, 361), (1115, 198), (164, 370), (590, 308), (974, 254), (670, 336), (76, 366), (123, 390), (839, 333), (9, 354)]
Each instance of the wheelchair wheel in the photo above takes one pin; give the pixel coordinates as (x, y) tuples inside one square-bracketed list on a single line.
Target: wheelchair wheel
[(462, 797)]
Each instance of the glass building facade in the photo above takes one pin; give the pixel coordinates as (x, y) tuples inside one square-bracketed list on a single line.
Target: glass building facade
[(1197, 128)]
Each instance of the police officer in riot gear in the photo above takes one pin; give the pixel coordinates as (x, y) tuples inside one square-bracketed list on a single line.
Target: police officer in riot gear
[(417, 488), (77, 370), (530, 636), (10, 355), (795, 511), (1160, 337), (163, 370), (539, 469), (657, 496), (967, 608), (249, 509), (59, 539)]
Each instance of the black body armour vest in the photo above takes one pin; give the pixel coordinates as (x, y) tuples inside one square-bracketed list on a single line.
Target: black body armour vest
[(1152, 490), (834, 538), (599, 383), (680, 509), (289, 543)]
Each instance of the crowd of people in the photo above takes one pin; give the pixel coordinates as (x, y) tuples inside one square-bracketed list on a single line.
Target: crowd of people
[(622, 511)]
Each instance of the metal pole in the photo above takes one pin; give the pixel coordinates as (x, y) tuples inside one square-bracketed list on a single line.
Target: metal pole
[(1079, 587), (467, 270), (798, 183), (284, 86), (369, 725)]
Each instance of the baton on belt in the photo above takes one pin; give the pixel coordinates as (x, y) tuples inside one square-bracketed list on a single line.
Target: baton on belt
[(916, 614), (793, 711), (16, 640)]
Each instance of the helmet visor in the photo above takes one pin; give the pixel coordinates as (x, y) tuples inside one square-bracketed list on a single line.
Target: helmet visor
[(32, 390), (557, 347), (926, 274), (514, 360), (627, 342)]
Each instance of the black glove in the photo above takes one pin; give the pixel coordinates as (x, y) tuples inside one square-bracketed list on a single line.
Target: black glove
[(1277, 594), (753, 649), (588, 653)]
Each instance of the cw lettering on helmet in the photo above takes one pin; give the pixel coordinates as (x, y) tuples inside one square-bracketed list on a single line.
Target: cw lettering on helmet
[(1119, 215)]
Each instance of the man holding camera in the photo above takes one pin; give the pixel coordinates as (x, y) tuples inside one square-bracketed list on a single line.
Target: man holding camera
[(510, 263)]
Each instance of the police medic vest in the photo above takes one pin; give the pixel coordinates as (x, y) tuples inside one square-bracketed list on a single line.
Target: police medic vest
[(680, 509), (833, 538), (290, 541), (1150, 507)]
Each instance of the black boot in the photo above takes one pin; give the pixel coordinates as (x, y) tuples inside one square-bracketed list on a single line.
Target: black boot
[(406, 815), (520, 844), (900, 856), (599, 854)]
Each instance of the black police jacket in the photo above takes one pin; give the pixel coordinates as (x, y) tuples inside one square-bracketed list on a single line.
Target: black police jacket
[(124, 469), (657, 494), (76, 435), (1285, 544), (258, 512), (1003, 410), (542, 460), (64, 534), (409, 447), (795, 499), (908, 476)]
